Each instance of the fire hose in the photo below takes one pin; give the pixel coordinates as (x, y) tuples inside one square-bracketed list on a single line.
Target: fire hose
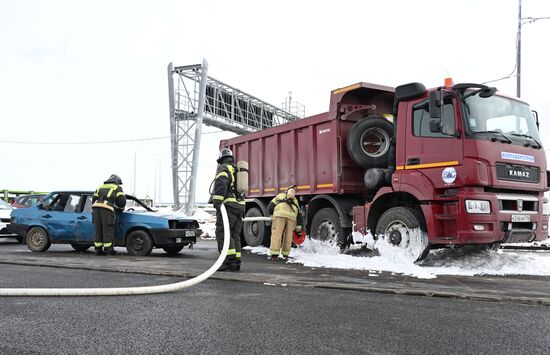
[(123, 291)]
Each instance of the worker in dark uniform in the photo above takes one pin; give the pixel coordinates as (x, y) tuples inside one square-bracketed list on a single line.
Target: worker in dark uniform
[(225, 191), (107, 199)]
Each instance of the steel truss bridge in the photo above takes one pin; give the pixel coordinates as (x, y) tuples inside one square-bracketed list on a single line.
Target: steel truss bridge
[(196, 99)]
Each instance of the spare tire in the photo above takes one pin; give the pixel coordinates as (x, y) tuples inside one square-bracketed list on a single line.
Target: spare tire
[(369, 142)]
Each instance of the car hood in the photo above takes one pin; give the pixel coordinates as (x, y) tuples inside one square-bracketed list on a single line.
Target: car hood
[(170, 216)]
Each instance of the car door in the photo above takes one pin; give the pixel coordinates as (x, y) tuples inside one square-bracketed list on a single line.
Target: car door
[(59, 217), (84, 230)]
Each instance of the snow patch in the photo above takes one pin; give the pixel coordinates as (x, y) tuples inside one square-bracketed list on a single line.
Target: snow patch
[(460, 261)]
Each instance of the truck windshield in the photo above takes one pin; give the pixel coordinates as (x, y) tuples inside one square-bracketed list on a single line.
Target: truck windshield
[(497, 114)]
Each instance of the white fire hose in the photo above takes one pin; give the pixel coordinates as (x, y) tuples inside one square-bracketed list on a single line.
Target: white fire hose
[(122, 291), (257, 219)]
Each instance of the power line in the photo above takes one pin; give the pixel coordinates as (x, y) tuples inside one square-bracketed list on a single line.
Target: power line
[(90, 142), (94, 142)]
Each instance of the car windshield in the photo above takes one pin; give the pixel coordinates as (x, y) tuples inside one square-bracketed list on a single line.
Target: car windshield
[(4, 205), (500, 114)]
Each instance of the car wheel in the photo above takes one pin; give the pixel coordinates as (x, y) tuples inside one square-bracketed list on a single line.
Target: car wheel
[(369, 142), (139, 243), (37, 239), (255, 233), (80, 247), (173, 249), (405, 230)]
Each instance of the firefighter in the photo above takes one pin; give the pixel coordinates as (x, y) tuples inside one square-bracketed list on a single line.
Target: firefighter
[(286, 219), (107, 199), (225, 191)]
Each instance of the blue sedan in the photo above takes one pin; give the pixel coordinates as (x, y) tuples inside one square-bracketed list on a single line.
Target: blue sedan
[(65, 217)]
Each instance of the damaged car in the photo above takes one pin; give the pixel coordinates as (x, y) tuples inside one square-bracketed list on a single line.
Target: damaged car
[(65, 217)]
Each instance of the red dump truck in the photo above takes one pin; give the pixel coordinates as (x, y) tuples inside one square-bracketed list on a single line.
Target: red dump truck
[(461, 163)]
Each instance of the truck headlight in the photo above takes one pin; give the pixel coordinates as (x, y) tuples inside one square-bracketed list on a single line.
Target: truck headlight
[(189, 233), (546, 209), (478, 206)]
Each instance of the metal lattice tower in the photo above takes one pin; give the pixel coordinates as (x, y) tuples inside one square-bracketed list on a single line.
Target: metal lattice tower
[(195, 99)]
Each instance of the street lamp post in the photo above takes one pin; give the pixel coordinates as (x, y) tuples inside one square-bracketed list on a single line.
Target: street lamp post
[(522, 20)]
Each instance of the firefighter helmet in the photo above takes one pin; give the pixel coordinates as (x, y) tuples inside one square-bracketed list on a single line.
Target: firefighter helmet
[(114, 179), (225, 152)]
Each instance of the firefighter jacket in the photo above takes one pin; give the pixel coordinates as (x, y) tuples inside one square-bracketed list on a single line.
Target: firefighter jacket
[(109, 196), (225, 186), (281, 206)]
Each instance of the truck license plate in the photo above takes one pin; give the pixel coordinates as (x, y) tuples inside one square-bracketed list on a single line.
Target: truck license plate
[(178, 240), (521, 218)]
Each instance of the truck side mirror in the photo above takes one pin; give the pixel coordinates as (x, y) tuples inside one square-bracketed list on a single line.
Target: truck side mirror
[(436, 101), (536, 117), (435, 126)]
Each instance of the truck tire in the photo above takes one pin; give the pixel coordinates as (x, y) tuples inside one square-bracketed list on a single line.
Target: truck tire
[(173, 249), (37, 239), (326, 226), (139, 243), (255, 233), (369, 142), (80, 247), (403, 227)]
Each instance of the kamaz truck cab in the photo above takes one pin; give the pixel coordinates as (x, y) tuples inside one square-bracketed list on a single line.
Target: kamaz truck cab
[(468, 168)]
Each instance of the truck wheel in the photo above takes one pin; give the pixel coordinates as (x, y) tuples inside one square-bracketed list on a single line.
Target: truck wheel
[(403, 227), (326, 226), (80, 247), (173, 249), (37, 239), (255, 233), (369, 142), (139, 243)]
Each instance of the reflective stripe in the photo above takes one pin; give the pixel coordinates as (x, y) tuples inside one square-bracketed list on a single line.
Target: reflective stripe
[(98, 244), (231, 252), (285, 254), (429, 165), (232, 172), (274, 253), (103, 205), (107, 245), (223, 173), (217, 197), (238, 254), (233, 199), (120, 193)]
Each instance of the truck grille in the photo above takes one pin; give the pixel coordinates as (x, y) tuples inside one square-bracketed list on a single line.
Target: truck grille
[(519, 173), (518, 204), (519, 236)]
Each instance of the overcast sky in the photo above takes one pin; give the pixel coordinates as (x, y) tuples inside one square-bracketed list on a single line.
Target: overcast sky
[(92, 71)]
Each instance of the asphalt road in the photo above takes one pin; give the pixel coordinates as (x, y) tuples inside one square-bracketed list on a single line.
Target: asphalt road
[(257, 269), (233, 317)]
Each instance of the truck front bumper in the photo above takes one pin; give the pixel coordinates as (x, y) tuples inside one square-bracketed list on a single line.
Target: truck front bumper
[(513, 218)]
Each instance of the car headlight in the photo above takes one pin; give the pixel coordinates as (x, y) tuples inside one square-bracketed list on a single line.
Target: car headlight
[(478, 206), (546, 209)]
